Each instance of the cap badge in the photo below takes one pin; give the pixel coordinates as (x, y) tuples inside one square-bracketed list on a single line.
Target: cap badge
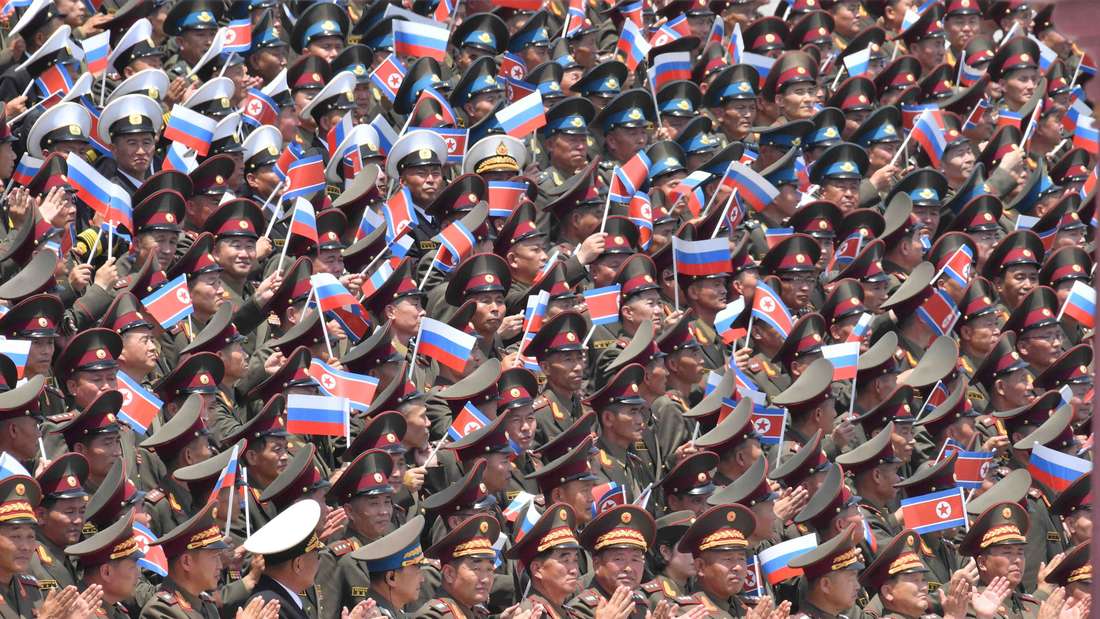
[(817, 337), (702, 476), (1027, 252), (243, 224), (1024, 57), (204, 379), (100, 353), (205, 16), (331, 235), (625, 517), (484, 528), (576, 122), (514, 392), (612, 82), (1006, 512), (847, 166), (424, 153), (730, 516), (744, 86), (378, 478), (634, 388), (1015, 355), (489, 278), (1077, 268), (219, 179), (135, 119), (800, 258), (70, 481), (225, 101), (170, 218), (830, 132), (863, 98), (570, 336), (648, 278), (154, 92), (987, 216), (821, 30), (683, 104), (635, 114), (74, 129), (20, 489), (801, 70), (484, 37), (315, 77), (1046, 311), (42, 322), (562, 514), (769, 37)]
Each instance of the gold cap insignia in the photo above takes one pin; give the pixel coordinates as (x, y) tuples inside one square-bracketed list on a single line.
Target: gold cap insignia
[(170, 218), (101, 354), (570, 336), (625, 517), (577, 122), (1024, 57), (20, 489), (635, 114), (800, 258), (271, 150), (70, 481), (730, 516), (42, 322), (769, 37), (424, 153), (702, 476), (378, 478), (562, 515), (484, 528), (205, 16), (489, 278), (1006, 513), (514, 392), (135, 119), (74, 129), (243, 224), (204, 379)]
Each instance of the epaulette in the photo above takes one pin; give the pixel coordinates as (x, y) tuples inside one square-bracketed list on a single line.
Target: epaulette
[(167, 597), (601, 344), (62, 417), (27, 579), (440, 607), (986, 420), (675, 397), (589, 598), (44, 556), (343, 547), (428, 245), (154, 495), (651, 587), (540, 402), (687, 600), (1030, 599)]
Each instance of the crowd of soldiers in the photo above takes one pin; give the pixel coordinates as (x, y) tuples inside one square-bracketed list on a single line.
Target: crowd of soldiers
[(620, 469)]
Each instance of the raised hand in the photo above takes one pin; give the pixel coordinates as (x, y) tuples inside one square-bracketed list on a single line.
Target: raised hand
[(620, 606), (987, 603), (790, 502), (954, 598), (367, 609)]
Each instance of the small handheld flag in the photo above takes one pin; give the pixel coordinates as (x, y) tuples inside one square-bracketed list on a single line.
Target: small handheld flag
[(10, 466), (259, 109), (25, 170), (457, 243), (139, 406), (359, 389), (701, 258), (318, 415), (445, 344), (775, 561), (170, 303), (670, 67), (305, 177), (935, 511), (603, 304), (929, 132), (190, 128), (724, 319), (388, 76), (769, 307), (228, 476), (91, 186), (859, 62), (752, 188), (632, 45), (154, 559), (768, 423), (468, 420), (1054, 468), (419, 40), (844, 357), (523, 117), (971, 468), (861, 327), (640, 211), (1080, 304), (504, 197), (18, 351), (959, 265), (97, 48), (513, 509), (238, 36), (303, 222), (399, 214), (938, 312), (629, 178), (607, 496)]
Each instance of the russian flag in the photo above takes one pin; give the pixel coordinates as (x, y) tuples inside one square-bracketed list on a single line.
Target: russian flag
[(909, 113), (607, 496), (319, 415), (670, 67), (337, 133), (958, 266), (25, 170), (523, 117), (763, 64), (971, 467), (399, 214), (1087, 137), (768, 423), (419, 40), (1074, 113), (533, 315), (359, 389), (238, 36), (1080, 304), (938, 312), (375, 281), (180, 158), (139, 405), (767, 306), (190, 128), (735, 48), (928, 131), (458, 241), (386, 135), (17, 351), (968, 75), (934, 511), (305, 177), (603, 304), (1047, 56), (752, 188), (701, 258), (388, 75), (640, 211), (119, 211), (632, 44), (724, 319), (504, 197), (331, 294), (96, 50), (90, 185), (54, 80), (629, 178), (228, 476), (259, 109), (844, 357), (444, 343), (512, 510), (775, 561), (717, 32), (861, 327), (154, 559), (10, 466), (369, 222), (303, 222), (468, 420), (170, 303), (859, 62), (775, 236)]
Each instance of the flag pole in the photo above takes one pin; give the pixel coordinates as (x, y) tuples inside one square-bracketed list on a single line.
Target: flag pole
[(901, 148), (431, 265), (725, 213), (607, 201), (748, 329), (1031, 124), (431, 454), (247, 515), (110, 240), (286, 242), (229, 508), (347, 422), (416, 349), (1076, 74), (675, 279), (839, 69), (962, 63), (653, 93), (782, 435), (584, 344), (321, 316), (852, 393), (95, 246), (278, 207)]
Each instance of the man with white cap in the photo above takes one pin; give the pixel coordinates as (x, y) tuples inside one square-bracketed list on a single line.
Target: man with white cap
[(130, 125), (291, 552), (63, 129)]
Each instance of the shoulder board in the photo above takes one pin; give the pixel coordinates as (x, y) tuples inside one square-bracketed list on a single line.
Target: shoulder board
[(120, 607), (675, 397), (46, 585), (685, 600), (601, 344), (871, 509), (343, 547), (540, 402), (1034, 493), (62, 417), (589, 598), (1028, 598), (154, 495), (545, 174), (651, 587), (167, 597), (428, 245), (440, 607), (27, 579), (986, 420), (44, 556)]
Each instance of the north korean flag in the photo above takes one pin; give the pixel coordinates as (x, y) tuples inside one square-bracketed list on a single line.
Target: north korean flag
[(388, 76), (935, 511)]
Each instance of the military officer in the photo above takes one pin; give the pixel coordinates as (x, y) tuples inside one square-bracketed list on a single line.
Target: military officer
[(19, 497), (290, 547), (109, 559), (193, 550), (996, 540), (619, 410), (394, 566), (563, 361), (61, 518), (897, 577), (839, 559), (718, 542), (617, 540), (550, 553), (467, 555), (875, 470)]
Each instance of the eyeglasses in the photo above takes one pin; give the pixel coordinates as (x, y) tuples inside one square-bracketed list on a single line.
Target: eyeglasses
[(1050, 336), (803, 278)]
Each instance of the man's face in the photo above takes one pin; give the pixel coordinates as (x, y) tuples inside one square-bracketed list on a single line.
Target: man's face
[(134, 152), (424, 181), (526, 258), (17, 545), (371, 516), (235, 359), (624, 142), (907, 594), (481, 105), (1016, 388), (1007, 560), (194, 43), (1079, 525), (124, 577), (521, 425), (7, 160), (709, 294), (961, 29), (929, 52), (795, 288), (268, 61), (886, 476), (24, 445), (604, 268), (86, 386), (469, 580), (695, 503), (688, 365), (874, 294), (405, 315), (765, 520), (237, 255), (846, 18), (208, 567), (568, 152), (957, 165), (199, 208), (843, 588), (844, 192), (489, 313), (881, 153), (797, 101), (624, 422), (1017, 282), (737, 117), (1019, 85), (721, 573), (207, 292), (40, 356), (619, 567), (325, 48), (102, 451), (270, 460), (578, 495), (565, 370), (558, 571), (62, 522), (416, 417), (329, 261), (1041, 347), (903, 440), (162, 244)]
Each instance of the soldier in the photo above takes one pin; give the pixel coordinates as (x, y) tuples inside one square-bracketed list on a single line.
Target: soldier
[(897, 577), (193, 550), (466, 554), (618, 540), (674, 568), (939, 550), (61, 517), (689, 483), (181, 442), (550, 553), (265, 454), (289, 546), (996, 540), (365, 493), (557, 346), (565, 137), (831, 570), (109, 559), (96, 435), (19, 497), (194, 24), (619, 410), (874, 468), (394, 566), (1074, 506), (568, 479), (130, 125), (811, 407), (718, 541)]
